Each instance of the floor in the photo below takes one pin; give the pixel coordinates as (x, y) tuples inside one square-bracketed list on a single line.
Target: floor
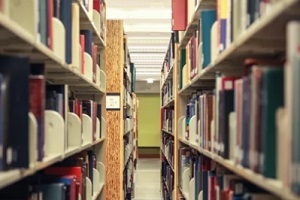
[(147, 180)]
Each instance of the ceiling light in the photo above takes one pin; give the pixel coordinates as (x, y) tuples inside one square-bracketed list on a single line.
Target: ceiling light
[(150, 80)]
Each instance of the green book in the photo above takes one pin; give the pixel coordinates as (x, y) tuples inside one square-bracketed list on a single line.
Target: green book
[(272, 98)]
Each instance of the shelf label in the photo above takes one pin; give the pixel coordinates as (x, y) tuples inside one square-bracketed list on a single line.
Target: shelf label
[(113, 101)]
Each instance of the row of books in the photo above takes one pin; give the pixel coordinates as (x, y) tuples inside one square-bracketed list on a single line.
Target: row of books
[(67, 180), (168, 148), (252, 120), (128, 173), (167, 92), (165, 193), (167, 119), (167, 175), (24, 90), (128, 179), (169, 58), (203, 179), (219, 27), (44, 14)]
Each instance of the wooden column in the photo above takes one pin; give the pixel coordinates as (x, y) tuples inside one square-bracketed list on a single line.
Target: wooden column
[(114, 130)]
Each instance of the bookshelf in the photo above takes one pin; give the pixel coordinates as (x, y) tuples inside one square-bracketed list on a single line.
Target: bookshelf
[(210, 144), (64, 125), (121, 117)]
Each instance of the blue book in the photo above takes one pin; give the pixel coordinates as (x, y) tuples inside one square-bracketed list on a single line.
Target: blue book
[(66, 19), (208, 19), (55, 191), (88, 35), (14, 111)]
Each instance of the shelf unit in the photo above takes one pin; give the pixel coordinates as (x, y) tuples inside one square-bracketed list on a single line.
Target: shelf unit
[(16, 39), (257, 41), (121, 130)]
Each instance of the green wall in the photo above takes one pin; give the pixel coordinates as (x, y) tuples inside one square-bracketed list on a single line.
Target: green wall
[(149, 120)]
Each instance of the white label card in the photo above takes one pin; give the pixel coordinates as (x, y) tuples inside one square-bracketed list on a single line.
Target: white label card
[(112, 101)]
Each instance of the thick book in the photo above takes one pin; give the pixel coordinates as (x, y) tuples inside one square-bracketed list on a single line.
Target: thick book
[(70, 171), (66, 19), (15, 107), (88, 36), (179, 15), (208, 19), (68, 181), (37, 107), (272, 99), (54, 191)]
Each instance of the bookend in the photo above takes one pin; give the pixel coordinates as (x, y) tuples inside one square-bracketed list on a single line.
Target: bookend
[(192, 130), (88, 189), (96, 183), (32, 139), (186, 180), (103, 127), (59, 38), (54, 133), (102, 80), (87, 129), (98, 78), (74, 130), (192, 189), (181, 127), (96, 19), (97, 128), (88, 66)]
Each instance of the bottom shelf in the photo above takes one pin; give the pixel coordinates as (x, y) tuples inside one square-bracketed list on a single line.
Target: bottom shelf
[(272, 186)]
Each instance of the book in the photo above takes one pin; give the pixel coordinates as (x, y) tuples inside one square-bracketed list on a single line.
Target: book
[(66, 19), (37, 107), (15, 106), (208, 19), (54, 191)]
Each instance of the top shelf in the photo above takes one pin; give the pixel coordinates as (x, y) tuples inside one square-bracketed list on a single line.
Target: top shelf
[(258, 40), (87, 23), (14, 40), (194, 24)]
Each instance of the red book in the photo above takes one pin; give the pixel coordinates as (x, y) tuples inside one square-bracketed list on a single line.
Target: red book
[(50, 29), (82, 43), (0, 5), (37, 107), (96, 5), (179, 15)]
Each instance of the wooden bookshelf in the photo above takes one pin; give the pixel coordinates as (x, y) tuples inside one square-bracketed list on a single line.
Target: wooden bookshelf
[(15, 40), (265, 38), (120, 120)]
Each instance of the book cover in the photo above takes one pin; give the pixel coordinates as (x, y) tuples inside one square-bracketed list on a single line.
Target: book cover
[(88, 35), (54, 191), (66, 19), (15, 107), (82, 44), (208, 19), (272, 98), (37, 107)]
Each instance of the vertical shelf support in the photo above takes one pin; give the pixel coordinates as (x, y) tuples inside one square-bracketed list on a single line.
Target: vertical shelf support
[(114, 63)]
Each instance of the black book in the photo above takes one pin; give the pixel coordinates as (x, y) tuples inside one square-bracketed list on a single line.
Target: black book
[(14, 110)]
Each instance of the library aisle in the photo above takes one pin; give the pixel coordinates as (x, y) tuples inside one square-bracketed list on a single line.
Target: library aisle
[(147, 182)]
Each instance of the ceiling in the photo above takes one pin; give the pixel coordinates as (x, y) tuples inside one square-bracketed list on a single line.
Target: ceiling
[(148, 26)]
